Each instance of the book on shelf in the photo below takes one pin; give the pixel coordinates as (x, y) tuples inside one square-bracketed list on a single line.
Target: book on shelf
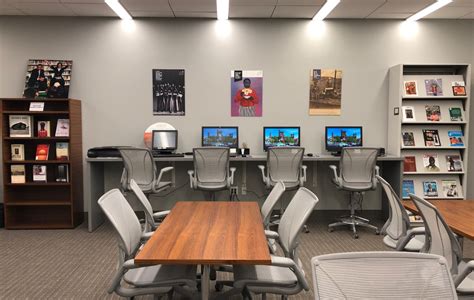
[(459, 88), (450, 188), (44, 129), (431, 162), (36, 106), (409, 164), (62, 174), (20, 125), (39, 173), (430, 188), (455, 113), (408, 113), (431, 137), (433, 113), (17, 173), (456, 138), (18, 151), (408, 139), (408, 187), (62, 127), (42, 152), (434, 87), (453, 163), (62, 151), (410, 88)]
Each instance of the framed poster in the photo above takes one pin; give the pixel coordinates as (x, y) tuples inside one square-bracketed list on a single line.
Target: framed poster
[(48, 78), (246, 93), (325, 92), (168, 92)]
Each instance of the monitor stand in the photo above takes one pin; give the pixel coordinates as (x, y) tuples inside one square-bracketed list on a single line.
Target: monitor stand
[(338, 153)]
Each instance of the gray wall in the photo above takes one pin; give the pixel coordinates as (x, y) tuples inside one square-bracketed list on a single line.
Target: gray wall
[(112, 71)]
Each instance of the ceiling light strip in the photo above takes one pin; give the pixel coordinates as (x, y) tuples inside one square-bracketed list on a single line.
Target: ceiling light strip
[(326, 9), (222, 9), (428, 10), (119, 9)]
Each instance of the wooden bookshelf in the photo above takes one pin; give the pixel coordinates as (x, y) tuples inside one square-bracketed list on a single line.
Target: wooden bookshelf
[(397, 125), (50, 204)]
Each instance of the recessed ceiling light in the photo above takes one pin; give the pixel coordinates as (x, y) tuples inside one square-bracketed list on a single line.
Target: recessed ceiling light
[(428, 10), (222, 9), (118, 9), (326, 9)]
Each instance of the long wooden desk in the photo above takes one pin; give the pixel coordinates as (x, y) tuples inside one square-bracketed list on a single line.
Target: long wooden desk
[(458, 214), (391, 168), (208, 233)]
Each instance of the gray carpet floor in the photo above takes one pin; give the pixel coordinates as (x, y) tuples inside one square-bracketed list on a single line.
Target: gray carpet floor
[(76, 264)]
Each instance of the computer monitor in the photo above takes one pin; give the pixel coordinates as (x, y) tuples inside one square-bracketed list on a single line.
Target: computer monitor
[(340, 137), (220, 137), (165, 140), (280, 137)]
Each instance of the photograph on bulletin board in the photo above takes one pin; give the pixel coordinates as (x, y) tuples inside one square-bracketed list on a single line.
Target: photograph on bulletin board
[(168, 92), (325, 92), (246, 93), (49, 78)]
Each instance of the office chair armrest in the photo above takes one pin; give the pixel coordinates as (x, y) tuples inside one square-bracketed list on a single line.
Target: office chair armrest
[(377, 171), (124, 181), (287, 262), (272, 234), (335, 177), (303, 175), (464, 272), (163, 171), (192, 181), (411, 233), (264, 177), (231, 176), (161, 214)]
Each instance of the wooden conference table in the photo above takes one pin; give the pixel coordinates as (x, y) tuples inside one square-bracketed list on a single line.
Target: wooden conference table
[(458, 214), (208, 233)]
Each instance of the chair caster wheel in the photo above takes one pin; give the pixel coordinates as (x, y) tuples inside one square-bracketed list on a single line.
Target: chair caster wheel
[(330, 229), (377, 232), (356, 236), (219, 287)]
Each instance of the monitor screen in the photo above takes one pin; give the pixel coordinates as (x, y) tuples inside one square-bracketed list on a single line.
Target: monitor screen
[(340, 137), (220, 137), (165, 140), (280, 136)]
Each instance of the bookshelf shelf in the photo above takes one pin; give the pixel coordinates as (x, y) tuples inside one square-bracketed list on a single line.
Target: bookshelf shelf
[(43, 204), (410, 130)]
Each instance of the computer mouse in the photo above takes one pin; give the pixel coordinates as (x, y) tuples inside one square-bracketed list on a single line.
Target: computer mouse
[(309, 154)]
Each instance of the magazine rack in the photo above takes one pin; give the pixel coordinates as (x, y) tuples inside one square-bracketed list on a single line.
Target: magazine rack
[(49, 204), (422, 102)]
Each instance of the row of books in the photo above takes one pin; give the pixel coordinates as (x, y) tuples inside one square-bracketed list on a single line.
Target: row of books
[(39, 173), (433, 113), (42, 151), (20, 126), (434, 87), (431, 138), (431, 163), (430, 188)]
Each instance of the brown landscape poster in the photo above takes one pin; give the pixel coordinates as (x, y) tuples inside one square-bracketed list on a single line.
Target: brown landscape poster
[(325, 92)]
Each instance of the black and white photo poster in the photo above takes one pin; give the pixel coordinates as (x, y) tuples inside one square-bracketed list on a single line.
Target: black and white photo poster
[(168, 92)]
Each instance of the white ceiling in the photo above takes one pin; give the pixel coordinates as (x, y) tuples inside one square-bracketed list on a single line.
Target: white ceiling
[(353, 9)]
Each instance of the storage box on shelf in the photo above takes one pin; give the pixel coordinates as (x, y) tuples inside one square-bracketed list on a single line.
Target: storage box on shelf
[(54, 199), (426, 118)]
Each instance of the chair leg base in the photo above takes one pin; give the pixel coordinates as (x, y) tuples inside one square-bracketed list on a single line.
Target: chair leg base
[(353, 221)]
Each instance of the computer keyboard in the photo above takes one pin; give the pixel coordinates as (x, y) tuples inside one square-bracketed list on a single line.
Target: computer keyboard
[(157, 154)]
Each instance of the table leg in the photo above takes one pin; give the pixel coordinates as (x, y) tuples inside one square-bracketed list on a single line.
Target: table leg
[(95, 173), (205, 282)]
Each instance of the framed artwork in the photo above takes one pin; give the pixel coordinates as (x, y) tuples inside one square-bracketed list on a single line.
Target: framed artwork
[(246, 93), (49, 78), (325, 92), (169, 92)]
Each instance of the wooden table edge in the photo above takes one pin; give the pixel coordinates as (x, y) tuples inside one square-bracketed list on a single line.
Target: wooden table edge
[(202, 262)]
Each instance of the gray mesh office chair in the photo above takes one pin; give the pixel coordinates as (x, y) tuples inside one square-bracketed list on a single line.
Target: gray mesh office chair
[(357, 171), (441, 240), (140, 166), (270, 202), (211, 170), (381, 275), (284, 164), (133, 280), (285, 276), (152, 219), (398, 232)]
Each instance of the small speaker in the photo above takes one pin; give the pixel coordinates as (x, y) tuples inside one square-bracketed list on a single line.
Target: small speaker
[(244, 151), (381, 151)]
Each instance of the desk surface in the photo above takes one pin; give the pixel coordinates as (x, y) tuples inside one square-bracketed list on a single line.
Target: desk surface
[(257, 157), (208, 233), (458, 214)]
